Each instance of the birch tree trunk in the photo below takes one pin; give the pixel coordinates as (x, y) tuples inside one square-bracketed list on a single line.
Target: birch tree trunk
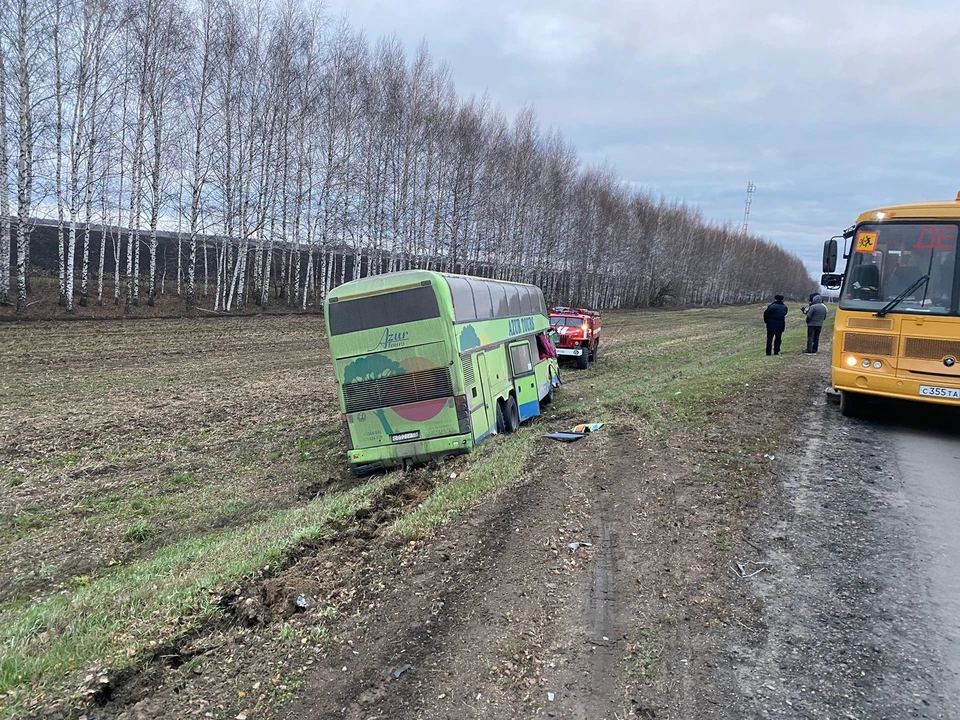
[(59, 92), (24, 142), (5, 240)]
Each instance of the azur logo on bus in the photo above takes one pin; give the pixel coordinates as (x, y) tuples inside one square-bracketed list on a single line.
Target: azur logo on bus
[(521, 326), (390, 341)]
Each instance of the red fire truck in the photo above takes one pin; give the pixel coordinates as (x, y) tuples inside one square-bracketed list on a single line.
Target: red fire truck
[(578, 333)]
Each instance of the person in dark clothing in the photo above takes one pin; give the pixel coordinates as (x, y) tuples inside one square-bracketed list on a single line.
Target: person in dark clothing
[(816, 315), (775, 316)]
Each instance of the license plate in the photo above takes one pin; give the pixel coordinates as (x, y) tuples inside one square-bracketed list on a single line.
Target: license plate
[(934, 391), (403, 437)]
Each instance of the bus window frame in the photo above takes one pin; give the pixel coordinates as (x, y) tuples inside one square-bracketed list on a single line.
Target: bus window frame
[(953, 309), (337, 321), (461, 291), (531, 365)]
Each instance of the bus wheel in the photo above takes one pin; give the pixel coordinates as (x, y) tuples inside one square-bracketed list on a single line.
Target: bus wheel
[(850, 404), (513, 414), (583, 360), (501, 425)]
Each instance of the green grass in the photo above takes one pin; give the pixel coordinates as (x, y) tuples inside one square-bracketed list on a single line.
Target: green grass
[(105, 617), (493, 467), (140, 531), (186, 478)]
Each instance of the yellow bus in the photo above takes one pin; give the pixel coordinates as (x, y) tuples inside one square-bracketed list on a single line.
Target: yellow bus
[(897, 331)]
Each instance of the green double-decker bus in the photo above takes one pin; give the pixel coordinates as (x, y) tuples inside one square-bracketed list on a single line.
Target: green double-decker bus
[(429, 364)]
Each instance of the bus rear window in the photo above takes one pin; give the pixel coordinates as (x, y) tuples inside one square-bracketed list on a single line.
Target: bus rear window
[(377, 311)]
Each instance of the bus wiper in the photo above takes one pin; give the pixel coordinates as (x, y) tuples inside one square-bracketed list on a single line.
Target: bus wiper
[(900, 298)]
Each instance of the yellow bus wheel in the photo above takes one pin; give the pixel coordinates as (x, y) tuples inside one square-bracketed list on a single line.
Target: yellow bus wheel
[(851, 403)]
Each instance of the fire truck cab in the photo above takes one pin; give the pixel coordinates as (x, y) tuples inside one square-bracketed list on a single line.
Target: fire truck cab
[(578, 334)]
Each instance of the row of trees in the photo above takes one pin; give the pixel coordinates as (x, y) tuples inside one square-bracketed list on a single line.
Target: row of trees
[(306, 157)]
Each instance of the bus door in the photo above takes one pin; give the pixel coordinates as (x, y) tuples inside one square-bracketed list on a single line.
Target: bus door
[(480, 416), (524, 379)]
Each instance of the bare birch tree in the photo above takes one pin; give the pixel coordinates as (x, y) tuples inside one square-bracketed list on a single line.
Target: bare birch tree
[(5, 255)]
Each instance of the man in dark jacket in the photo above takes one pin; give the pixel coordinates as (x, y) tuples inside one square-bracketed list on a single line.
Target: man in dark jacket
[(816, 315), (775, 316)]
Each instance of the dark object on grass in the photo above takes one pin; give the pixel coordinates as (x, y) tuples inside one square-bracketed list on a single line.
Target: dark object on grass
[(575, 433), (566, 436)]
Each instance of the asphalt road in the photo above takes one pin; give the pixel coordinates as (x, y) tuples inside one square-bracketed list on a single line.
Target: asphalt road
[(927, 447), (862, 600)]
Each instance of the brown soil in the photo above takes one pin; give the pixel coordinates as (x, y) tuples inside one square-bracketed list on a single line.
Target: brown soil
[(497, 616), (103, 425)]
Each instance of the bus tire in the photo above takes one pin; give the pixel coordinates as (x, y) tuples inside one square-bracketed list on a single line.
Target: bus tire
[(512, 414), (583, 360), (501, 425), (850, 404)]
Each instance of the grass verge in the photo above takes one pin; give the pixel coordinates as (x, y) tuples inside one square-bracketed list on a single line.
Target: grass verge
[(679, 371), (112, 617)]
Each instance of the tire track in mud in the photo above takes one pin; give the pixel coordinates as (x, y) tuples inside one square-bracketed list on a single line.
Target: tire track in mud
[(465, 618), (255, 602)]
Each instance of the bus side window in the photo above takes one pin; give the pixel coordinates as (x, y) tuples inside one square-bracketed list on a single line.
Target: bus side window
[(513, 299), (520, 355), (545, 346), (526, 302), (462, 293), (499, 298), (481, 299), (540, 307)]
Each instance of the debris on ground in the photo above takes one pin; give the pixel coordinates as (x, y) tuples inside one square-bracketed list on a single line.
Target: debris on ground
[(575, 433), (587, 427), (565, 436), (742, 572)]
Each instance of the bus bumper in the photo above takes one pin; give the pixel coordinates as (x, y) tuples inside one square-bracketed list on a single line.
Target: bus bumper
[(370, 459), (891, 386)]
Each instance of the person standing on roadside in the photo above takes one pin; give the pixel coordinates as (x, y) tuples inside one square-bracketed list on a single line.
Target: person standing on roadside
[(775, 316), (816, 315)]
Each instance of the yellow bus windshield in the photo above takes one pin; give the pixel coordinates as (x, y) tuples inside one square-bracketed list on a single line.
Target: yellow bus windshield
[(889, 258)]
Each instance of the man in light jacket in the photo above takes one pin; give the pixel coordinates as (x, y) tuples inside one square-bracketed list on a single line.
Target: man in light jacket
[(816, 315)]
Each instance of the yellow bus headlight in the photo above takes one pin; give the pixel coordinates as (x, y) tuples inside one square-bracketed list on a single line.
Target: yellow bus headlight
[(851, 361)]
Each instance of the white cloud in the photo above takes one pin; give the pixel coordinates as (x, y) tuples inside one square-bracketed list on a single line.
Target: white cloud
[(830, 108)]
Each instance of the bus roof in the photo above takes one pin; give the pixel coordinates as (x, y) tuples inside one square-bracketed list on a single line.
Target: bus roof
[(373, 284), (937, 209)]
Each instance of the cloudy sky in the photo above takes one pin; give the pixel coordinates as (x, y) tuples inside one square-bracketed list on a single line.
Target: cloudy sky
[(830, 107)]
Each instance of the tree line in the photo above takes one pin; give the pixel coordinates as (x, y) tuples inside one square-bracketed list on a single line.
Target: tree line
[(288, 154)]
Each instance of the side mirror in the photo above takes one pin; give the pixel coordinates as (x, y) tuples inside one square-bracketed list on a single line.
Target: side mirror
[(831, 281), (830, 255)]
